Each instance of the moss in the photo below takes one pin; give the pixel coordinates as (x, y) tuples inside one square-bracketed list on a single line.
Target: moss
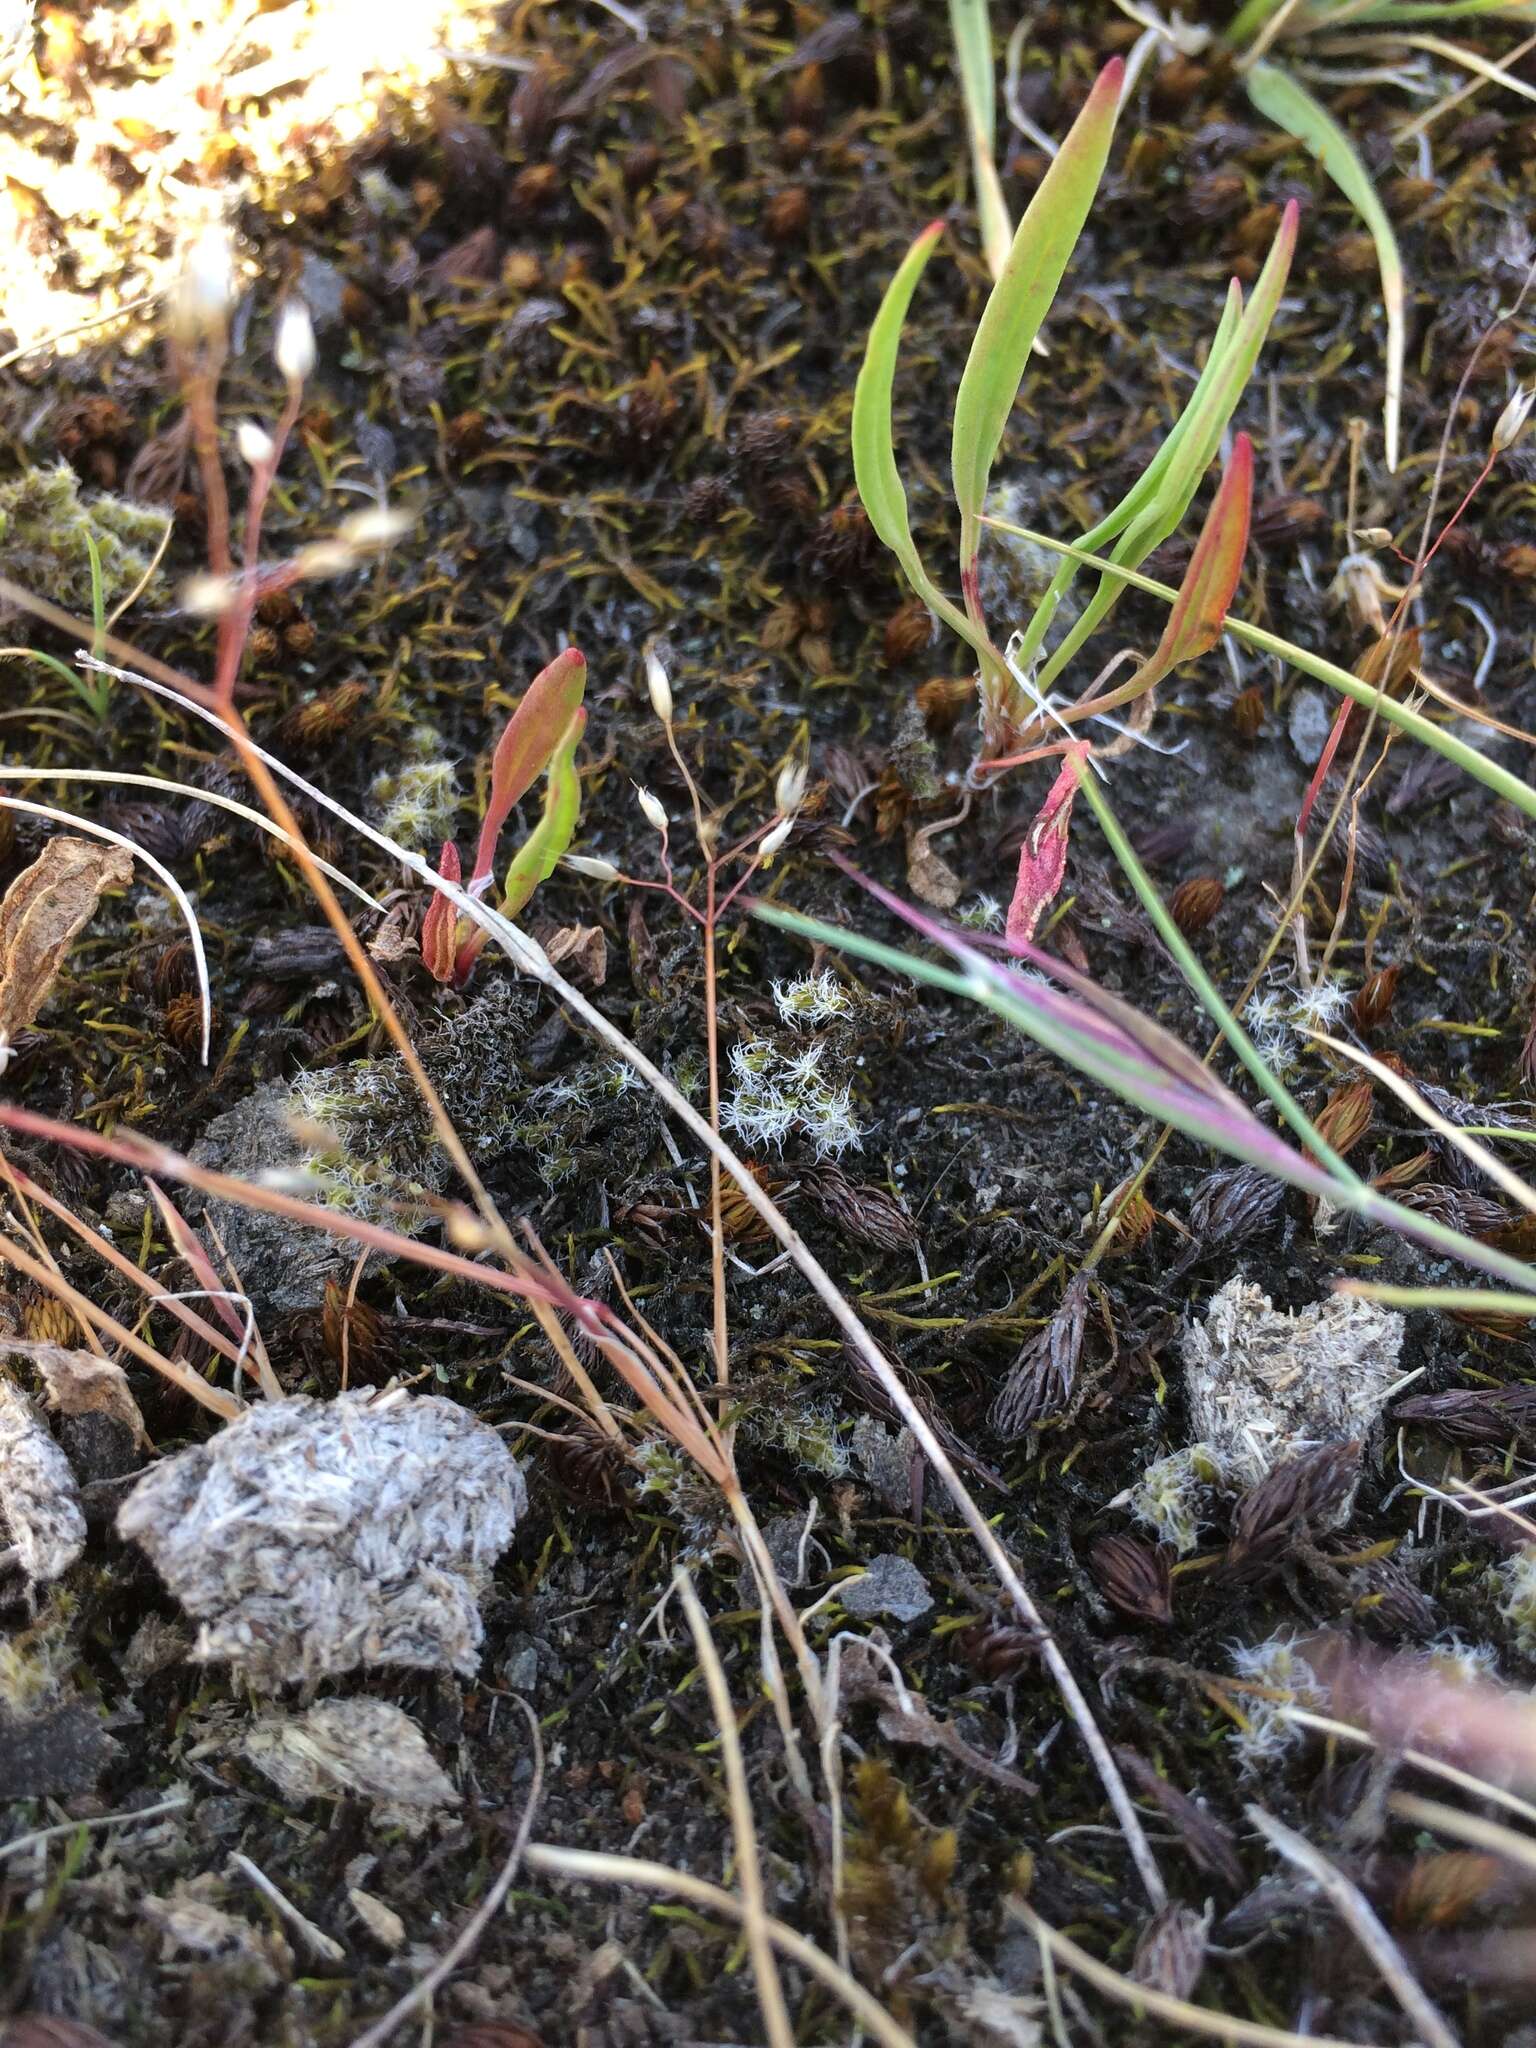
[(374, 1149), (44, 523)]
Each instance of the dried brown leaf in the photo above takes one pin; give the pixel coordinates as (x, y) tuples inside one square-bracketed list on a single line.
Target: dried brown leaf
[(1134, 1577), (1441, 1890), (1294, 1500), (929, 876), (874, 1397), (1387, 1599), (583, 949), (46, 2030), (871, 1215), (905, 1716), (1345, 1117), (1457, 1208), (1171, 1953), (1208, 1843), (42, 914), (1486, 1417), (1040, 1382), (1230, 1206), (998, 1649)]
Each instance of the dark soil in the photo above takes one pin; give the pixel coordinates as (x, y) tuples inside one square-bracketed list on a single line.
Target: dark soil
[(596, 324)]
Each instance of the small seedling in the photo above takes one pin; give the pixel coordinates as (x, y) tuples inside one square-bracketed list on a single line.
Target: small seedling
[(1015, 683), (540, 738)]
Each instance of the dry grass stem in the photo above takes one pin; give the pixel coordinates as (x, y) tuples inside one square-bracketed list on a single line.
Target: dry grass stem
[(1352, 1907), (749, 1871), (597, 1867)]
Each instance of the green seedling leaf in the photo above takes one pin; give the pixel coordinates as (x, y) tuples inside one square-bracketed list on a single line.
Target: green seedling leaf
[(1290, 106), (1021, 298), (534, 731), (1199, 615), (1404, 12), (971, 26), (536, 859), (1249, 20), (1147, 485), (875, 473), (1491, 774), (1192, 449), (1105, 1038), (98, 595)]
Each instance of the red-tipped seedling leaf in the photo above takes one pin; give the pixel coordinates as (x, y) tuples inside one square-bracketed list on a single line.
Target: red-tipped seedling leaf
[(1205, 596), (527, 746), (1043, 856), (439, 927)]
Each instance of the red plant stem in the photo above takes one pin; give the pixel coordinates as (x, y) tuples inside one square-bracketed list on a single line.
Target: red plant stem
[(199, 378), (235, 624), (149, 1157), (182, 1310)]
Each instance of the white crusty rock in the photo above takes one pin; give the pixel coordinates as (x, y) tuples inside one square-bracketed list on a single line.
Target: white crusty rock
[(1267, 1384), (365, 1747), (39, 1500), (311, 1537)]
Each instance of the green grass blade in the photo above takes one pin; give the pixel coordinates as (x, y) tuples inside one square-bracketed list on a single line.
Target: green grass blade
[(1021, 298), (1147, 485), (1478, 766), (96, 699), (1489, 1301), (1209, 413), (536, 859), (1290, 106), (1249, 20), (1189, 966), (971, 26), (1404, 13), (98, 595), (875, 473), (1131, 1080)]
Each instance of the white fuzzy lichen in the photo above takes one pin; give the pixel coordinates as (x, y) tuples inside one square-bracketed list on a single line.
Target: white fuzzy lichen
[(812, 999), (1280, 1015), (1277, 1665), (1455, 1661), (1267, 1384), (777, 1094), (1517, 1596), (309, 1537), (1172, 1498), (982, 914), (39, 1500), (417, 802)]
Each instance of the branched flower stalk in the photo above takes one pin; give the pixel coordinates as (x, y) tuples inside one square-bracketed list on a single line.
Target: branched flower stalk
[(748, 854)]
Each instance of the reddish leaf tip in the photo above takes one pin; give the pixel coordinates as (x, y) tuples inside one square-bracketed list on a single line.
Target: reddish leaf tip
[(1111, 76)]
